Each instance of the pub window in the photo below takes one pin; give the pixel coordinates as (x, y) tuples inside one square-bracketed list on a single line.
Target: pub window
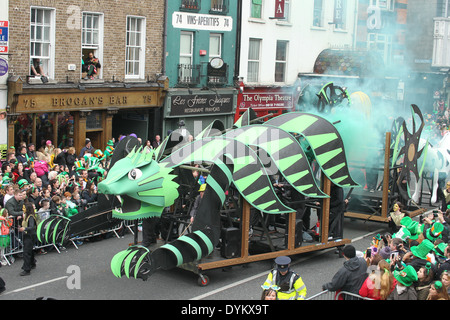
[(94, 120), (42, 40), (92, 37), (256, 8), (135, 48), (281, 60), (254, 50), (318, 13)]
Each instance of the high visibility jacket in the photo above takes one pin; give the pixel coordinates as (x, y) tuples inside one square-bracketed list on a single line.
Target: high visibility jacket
[(296, 291)]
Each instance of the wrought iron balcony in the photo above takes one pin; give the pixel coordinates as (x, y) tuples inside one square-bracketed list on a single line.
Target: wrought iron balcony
[(219, 6), (190, 5), (218, 80), (189, 74)]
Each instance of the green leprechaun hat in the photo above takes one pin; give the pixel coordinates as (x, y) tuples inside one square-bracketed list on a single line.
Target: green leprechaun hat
[(79, 165), (22, 183), (435, 231), (440, 249), (407, 276), (412, 226), (422, 249)]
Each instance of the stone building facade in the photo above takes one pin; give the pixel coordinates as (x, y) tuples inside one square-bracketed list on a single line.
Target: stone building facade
[(128, 39)]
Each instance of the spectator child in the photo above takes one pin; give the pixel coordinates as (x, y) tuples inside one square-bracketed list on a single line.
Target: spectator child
[(5, 224)]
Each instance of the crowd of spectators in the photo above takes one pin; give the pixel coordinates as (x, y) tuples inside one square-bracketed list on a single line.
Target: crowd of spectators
[(413, 263), (437, 123), (53, 180)]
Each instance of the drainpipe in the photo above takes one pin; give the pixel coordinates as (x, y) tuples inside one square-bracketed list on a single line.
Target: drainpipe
[(238, 41)]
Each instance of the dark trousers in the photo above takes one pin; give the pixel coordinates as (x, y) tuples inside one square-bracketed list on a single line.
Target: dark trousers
[(28, 253), (150, 231), (336, 224)]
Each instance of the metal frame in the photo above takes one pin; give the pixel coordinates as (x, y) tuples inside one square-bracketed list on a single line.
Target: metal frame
[(291, 250), (386, 193)]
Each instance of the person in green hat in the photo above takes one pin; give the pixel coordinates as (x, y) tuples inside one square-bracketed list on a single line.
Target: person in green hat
[(440, 232), (434, 232), (404, 289), (23, 184), (425, 277), (417, 257), (438, 292)]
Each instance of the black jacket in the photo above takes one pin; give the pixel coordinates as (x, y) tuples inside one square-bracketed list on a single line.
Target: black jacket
[(14, 207), (350, 276), (337, 204)]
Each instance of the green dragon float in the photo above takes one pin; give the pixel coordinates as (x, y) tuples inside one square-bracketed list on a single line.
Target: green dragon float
[(244, 156)]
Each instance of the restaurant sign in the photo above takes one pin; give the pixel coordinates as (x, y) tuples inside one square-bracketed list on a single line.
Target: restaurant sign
[(201, 104)]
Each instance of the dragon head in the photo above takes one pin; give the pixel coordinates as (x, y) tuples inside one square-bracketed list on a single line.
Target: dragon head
[(145, 186)]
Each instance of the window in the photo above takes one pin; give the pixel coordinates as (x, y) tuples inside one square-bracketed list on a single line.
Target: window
[(253, 60), (92, 36), (443, 9), (318, 13), (215, 45), (381, 43), (287, 11), (219, 6), (383, 4), (186, 57), (135, 48), (280, 61), (340, 14), (42, 39), (215, 51), (256, 9)]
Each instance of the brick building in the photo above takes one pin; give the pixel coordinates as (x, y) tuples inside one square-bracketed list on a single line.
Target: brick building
[(125, 93)]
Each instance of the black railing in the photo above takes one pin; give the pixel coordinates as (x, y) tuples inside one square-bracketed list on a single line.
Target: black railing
[(189, 74), (190, 5), (218, 80), (219, 6)]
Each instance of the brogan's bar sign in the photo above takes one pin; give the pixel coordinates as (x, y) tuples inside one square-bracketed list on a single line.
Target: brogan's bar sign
[(184, 105)]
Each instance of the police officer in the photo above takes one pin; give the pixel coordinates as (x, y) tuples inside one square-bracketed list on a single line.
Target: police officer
[(290, 284)]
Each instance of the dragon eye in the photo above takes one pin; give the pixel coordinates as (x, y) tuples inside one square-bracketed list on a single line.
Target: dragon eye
[(134, 174)]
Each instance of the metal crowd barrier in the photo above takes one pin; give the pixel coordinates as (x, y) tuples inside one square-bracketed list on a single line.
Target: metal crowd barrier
[(332, 295), (16, 243), (16, 239)]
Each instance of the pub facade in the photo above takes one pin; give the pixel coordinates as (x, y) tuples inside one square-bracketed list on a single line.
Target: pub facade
[(99, 71)]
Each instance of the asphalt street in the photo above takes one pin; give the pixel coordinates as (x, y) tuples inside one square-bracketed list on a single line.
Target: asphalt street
[(85, 273)]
